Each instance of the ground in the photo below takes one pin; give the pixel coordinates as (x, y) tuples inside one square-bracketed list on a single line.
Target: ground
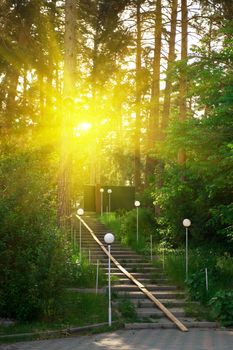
[(170, 339)]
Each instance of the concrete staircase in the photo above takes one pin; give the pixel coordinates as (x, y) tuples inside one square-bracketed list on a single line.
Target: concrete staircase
[(151, 277)]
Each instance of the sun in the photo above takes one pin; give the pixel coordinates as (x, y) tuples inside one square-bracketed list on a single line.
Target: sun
[(82, 127)]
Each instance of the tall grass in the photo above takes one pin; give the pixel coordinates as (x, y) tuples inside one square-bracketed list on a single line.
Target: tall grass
[(125, 228), (174, 265), (220, 268), (113, 222), (83, 273), (75, 309)]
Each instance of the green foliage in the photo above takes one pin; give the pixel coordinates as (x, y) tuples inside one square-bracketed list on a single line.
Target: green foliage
[(83, 308), (127, 309), (113, 221), (199, 311), (221, 264), (175, 267), (220, 277), (128, 229), (222, 304), (125, 228), (74, 309), (202, 189), (196, 285), (179, 199), (83, 274), (199, 259), (33, 254)]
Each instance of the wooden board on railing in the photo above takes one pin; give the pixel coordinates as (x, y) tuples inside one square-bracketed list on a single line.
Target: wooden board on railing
[(166, 312)]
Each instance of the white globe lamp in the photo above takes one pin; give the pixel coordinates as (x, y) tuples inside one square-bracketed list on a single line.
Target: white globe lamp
[(109, 239), (186, 223), (80, 211)]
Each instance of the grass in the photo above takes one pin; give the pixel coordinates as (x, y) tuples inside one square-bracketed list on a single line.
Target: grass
[(127, 309), (112, 222), (75, 310), (199, 312), (198, 261), (84, 273), (174, 267), (124, 227)]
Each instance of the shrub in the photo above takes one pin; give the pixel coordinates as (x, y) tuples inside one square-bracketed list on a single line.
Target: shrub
[(196, 285), (220, 272), (222, 304), (127, 309), (146, 227), (33, 253), (125, 228), (83, 274)]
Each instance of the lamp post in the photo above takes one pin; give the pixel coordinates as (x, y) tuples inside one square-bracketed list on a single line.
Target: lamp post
[(109, 200), (80, 212), (101, 200), (186, 224), (109, 239), (154, 204), (137, 205)]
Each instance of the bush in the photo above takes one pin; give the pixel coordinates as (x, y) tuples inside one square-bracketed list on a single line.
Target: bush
[(125, 228), (33, 253), (199, 259), (222, 304), (196, 285), (33, 273), (146, 228), (127, 309), (83, 274), (220, 272)]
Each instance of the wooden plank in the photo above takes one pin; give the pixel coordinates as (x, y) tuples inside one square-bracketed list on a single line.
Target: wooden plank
[(166, 312)]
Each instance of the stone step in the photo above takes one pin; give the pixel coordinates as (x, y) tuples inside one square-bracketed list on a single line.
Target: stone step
[(120, 255), (155, 312), (125, 280), (125, 251), (122, 260), (137, 265), (150, 287), (166, 324), (97, 249), (94, 244), (137, 275), (169, 303), (129, 269), (158, 295)]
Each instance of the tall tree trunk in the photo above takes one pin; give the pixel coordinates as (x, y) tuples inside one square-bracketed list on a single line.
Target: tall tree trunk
[(153, 132), (183, 72), (13, 77), (171, 59), (64, 181), (137, 157), (42, 98), (52, 57), (95, 168)]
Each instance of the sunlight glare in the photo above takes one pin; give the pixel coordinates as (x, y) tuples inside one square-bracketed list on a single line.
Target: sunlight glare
[(82, 127)]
